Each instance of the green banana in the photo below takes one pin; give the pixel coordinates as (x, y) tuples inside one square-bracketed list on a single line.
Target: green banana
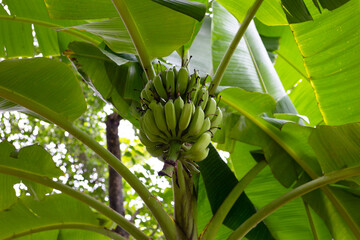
[(192, 82), (205, 127), (210, 108), (149, 123), (217, 118), (201, 143), (197, 156), (153, 138), (179, 105), (146, 141), (170, 116), (170, 83), (160, 120), (149, 89), (216, 121), (196, 124), (202, 97), (185, 117), (193, 94), (143, 96), (155, 151), (158, 84), (182, 81)]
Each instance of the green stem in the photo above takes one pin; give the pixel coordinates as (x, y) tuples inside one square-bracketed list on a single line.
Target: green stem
[(170, 160), (52, 26), (165, 221), (231, 49), (216, 221), (136, 37), (264, 212), (311, 221), (87, 227), (92, 202)]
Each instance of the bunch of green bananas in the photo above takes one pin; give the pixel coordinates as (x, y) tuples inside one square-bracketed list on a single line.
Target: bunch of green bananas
[(177, 108)]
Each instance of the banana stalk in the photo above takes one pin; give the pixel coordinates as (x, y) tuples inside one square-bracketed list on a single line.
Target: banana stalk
[(184, 204)]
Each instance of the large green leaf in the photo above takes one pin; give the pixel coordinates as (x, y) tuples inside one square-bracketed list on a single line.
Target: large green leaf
[(292, 139), (31, 159), (43, 86), (288, 222), (151, 34), (16, 30), (330, 48), (204, 212), (219, 181), (58, 211), (113, 32), (270, 12), (116, 79), (93, 9), (191, 8), (337, 147), (326, 209)]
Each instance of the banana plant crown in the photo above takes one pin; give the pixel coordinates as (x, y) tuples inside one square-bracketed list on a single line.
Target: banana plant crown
[(177, 107)]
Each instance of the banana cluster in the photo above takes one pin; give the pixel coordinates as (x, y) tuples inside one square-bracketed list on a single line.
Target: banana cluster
[(177, 107)]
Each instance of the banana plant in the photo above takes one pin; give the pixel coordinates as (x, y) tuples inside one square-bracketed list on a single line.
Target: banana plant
[(281, 75)]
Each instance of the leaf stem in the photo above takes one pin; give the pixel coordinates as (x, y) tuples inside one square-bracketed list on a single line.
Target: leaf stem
[(216, 221), (231, 49), (51, 26), (311, 221), (136, 37), (87, 227), (264, 212), (92, 202)]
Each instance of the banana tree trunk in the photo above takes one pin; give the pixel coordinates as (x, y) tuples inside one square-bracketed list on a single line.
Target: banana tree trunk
[(184, 203)]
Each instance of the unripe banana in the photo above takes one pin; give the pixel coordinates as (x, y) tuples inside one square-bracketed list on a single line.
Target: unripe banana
[(179, 105), (159, 112), (158, 84), (193, 94), (197, 156), (149, 89), (149, 123), (143, 96), (170, 116), (146, 141), (155, 151), (185, 117), (148, 134), (201, 143), (205, 127), (182, 81), (215, 122), (210, 108), (192, 82), (196, 124), (203, 96), (170, 83)]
